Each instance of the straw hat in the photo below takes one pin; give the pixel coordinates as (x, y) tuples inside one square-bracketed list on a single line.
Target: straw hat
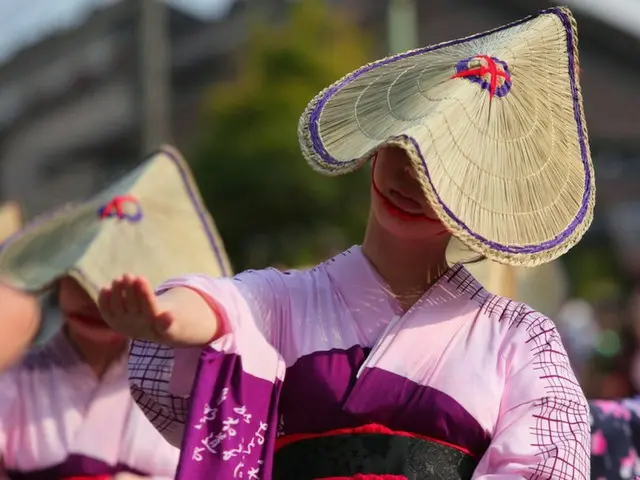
[(152, 223), (493, 124), (10, 220)]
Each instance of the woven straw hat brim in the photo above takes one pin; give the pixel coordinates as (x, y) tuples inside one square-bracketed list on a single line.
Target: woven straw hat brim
[(10, 220), (509, 174), (165, 232)]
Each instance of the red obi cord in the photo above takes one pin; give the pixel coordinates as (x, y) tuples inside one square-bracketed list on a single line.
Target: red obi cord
[(372, 428), (369, 428), (89, 477), (366, 476)]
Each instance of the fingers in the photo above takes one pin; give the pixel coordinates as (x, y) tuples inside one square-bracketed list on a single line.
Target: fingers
[(128, 294), (146, 297), (149, 305), (131, 300), (104, 302), (130, 303), (116, 299), (122, 297)]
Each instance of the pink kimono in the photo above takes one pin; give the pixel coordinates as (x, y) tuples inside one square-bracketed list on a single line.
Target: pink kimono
[(58, 421), (321, 375)]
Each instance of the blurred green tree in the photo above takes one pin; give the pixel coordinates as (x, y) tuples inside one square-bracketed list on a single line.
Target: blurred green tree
[(270, 207)]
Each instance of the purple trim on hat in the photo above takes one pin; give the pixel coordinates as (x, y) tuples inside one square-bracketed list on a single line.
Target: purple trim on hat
[(320, 150), (34, 223), (500, 90), (201, 214), (75, 465)]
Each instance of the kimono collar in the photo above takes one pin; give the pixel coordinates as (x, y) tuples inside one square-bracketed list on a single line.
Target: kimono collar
[(359, 282), (59, 352)]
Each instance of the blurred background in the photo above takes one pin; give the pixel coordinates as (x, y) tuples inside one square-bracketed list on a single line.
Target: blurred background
[(88, 87)]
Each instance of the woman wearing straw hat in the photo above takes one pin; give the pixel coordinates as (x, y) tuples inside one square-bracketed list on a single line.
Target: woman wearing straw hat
[(384, 362), (66, 410)]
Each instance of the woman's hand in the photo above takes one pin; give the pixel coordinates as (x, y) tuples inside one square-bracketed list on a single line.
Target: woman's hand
[(130, 307), (19, 322), (179, 317)]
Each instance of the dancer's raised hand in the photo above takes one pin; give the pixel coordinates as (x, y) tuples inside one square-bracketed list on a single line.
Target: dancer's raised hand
[(180, 317)]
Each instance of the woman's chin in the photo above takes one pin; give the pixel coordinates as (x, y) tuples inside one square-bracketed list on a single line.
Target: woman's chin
[(407, 225), (98, 333)]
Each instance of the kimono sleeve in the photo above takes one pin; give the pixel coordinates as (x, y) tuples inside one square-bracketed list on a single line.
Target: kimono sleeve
[(543, 427), (161, 378)]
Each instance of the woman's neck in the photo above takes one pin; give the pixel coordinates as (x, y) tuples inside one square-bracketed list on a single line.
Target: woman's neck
[(410, 267), (98, 355)]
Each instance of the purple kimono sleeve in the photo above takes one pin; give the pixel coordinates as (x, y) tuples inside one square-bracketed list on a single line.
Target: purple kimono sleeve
[(219, 403), (232, 424)]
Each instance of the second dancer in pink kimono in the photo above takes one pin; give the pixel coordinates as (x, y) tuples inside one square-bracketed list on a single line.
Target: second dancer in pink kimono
[(384, 361), (66, 410)]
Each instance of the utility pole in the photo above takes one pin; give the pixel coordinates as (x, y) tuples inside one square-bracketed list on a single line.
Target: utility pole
[(402, 26), (154, 91)]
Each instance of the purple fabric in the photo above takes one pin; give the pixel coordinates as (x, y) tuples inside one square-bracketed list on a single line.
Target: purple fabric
[(425, 410), (73, 466), (521, 249), (321, 381), (325, 383), (227, 434)]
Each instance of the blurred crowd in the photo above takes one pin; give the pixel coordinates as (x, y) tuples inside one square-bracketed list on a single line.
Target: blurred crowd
[(603, 340)]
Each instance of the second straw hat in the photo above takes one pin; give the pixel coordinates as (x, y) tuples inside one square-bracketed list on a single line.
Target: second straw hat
[(152, 222)]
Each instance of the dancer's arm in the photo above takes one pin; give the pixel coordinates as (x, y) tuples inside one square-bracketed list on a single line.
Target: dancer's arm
[(543, 428), (178, 317), (174, 325)]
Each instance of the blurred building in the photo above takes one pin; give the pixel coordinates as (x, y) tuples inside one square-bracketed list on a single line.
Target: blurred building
[(69, 110), (70, 116)]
